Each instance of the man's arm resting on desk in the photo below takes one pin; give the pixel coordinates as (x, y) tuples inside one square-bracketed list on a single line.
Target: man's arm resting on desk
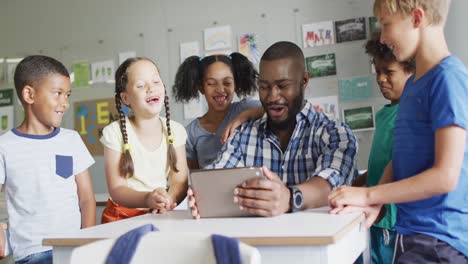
[(315, 192)]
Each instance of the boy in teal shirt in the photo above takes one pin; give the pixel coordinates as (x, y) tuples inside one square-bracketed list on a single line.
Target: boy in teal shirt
[(391, 77)]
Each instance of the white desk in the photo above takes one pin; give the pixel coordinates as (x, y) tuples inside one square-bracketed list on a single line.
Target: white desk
[(311, 236)]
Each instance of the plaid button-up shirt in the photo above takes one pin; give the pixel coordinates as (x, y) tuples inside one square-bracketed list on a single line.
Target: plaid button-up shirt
[(319, 146)]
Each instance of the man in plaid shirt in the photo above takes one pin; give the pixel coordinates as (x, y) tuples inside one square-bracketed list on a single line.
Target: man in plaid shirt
[(304, 153)]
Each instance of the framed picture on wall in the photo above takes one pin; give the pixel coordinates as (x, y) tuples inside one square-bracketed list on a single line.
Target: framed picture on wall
[(321, 65), (249, 47), (360, 118), (318, 34), (350, 29), (217, 38)]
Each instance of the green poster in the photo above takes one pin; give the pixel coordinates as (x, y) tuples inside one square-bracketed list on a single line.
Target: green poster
[(361, 118), (355, 88), (81, 73), (321, 65), (6, 97)]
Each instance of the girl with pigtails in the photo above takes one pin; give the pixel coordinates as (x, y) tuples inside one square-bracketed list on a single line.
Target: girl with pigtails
[(144, 153), (218, 78)]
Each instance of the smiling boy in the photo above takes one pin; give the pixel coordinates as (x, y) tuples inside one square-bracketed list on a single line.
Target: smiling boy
[(44, 168)]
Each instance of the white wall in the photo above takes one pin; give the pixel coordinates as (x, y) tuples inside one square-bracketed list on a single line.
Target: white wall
[(456, 29), (72, 30)]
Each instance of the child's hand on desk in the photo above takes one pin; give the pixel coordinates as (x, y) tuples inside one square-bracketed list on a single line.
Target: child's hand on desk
[(160, 201), (193, 204), (373, 213), (267, 196), (346, 195)]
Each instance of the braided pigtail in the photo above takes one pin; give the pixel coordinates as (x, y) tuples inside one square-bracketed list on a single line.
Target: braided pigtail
[(188, 80), (126, 168), (245, 74), (171, 152)]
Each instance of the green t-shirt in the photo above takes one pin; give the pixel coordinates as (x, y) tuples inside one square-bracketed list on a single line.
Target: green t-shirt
[(381, 154)]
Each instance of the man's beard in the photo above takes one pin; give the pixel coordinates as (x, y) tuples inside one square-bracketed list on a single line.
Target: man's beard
[(293, 110)]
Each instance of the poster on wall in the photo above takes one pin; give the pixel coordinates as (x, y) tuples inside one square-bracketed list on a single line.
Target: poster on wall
[(318, 34), (359, 119), (6, 110), (350, 29), (90, 118), (188, 49), (81, 74), (217, 38), (249, 47), (327, 105), (103, 71), (355, 88), (321, 65)]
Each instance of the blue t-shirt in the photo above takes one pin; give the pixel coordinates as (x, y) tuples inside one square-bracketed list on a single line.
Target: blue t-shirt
[(203, 145), (438, 99)]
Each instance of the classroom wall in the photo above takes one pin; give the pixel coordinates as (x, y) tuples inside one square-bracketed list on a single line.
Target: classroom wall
[(98, 30)]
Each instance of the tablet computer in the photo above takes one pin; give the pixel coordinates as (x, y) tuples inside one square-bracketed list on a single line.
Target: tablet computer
[(214, 190)]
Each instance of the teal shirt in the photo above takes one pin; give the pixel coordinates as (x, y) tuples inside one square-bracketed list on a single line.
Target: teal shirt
[(380, 156)]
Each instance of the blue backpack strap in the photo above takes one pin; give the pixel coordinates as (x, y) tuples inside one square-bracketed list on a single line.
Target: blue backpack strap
[(226, 249), (125, 246)]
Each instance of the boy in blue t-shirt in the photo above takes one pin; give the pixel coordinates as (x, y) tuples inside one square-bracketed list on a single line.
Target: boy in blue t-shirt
[(428, 175), (391, 77)]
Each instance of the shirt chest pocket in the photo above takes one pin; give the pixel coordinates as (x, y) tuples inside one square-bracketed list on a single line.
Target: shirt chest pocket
[(64, 166)]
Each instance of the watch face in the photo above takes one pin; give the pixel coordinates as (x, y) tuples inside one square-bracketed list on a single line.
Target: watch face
[(298, 199)]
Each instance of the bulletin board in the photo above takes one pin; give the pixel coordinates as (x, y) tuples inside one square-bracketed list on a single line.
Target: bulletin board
[(90, 118)]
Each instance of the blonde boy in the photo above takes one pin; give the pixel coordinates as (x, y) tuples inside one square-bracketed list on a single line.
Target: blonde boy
[(428, 175), (44, 168)]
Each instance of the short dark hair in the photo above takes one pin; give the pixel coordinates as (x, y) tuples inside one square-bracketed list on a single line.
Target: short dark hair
[(34, 69), (282, 50), (382, 52)]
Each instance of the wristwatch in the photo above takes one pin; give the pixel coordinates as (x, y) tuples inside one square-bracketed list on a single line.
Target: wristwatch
[(296, 199)]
